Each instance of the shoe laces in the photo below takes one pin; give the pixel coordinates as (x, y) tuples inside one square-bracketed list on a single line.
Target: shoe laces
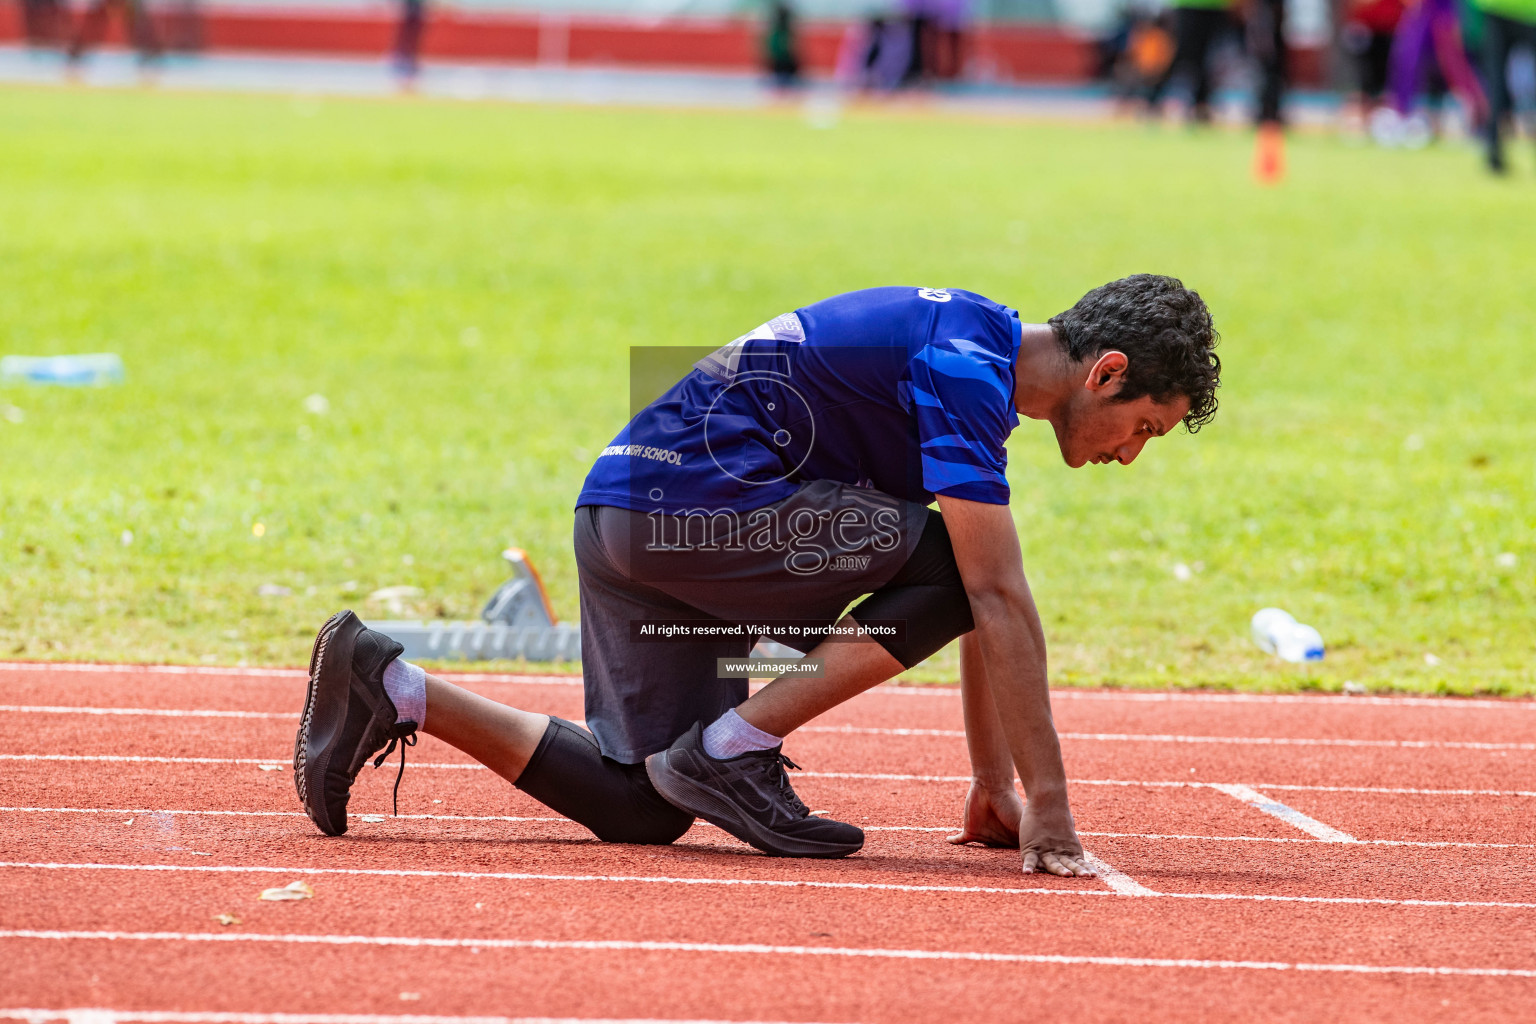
[(776, 773), (403, 735)]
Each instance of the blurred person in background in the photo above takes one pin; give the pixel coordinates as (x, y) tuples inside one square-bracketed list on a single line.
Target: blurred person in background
[(781, 46), (951, 20), (142, 34), (45, 23), (1506, 25), (1196, 26), (181, 26), (875, 53), (919, 27), (1265, 27), (407, 54), (1136, 53), (1367, 38), (1430, 30)]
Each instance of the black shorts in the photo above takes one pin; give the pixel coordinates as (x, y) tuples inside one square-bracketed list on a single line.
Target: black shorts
[(642, 696), (637, 569), (568, 774)]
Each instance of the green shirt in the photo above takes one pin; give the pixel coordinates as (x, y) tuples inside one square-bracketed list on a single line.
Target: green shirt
[(1519, 10)]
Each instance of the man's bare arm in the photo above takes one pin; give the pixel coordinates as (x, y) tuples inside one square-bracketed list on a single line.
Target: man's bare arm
[(1012, 646), (993, 809)]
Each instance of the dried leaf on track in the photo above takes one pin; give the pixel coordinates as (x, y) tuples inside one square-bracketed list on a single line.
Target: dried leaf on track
[(270, 767), (226, 919), (298, 890)]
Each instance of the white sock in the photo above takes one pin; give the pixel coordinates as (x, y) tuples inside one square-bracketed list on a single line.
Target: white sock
[(406, 685), (730, 735)]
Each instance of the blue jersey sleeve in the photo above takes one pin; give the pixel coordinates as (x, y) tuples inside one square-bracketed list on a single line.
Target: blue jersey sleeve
[(962, 395)]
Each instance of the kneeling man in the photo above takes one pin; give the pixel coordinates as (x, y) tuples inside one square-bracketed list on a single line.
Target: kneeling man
[(788, 475)]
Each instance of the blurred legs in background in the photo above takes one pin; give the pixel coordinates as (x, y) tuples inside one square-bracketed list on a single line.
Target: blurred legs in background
[(1500, 37), (142, 34), (1195, 29), (44, 22), (948, 59), (180, 24), (919, 48), (407, 56), (781, 46), (1432, 28), (1266, 41)]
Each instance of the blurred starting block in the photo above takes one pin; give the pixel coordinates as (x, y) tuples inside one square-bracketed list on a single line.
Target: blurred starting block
[(517, 622)]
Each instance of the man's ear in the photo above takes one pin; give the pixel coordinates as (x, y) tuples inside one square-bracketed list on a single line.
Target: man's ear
[(1108, 372)]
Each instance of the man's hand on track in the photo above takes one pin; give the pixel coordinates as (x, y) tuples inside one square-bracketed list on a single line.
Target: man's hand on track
[(991, 816), (997, 817), (1050, 845)]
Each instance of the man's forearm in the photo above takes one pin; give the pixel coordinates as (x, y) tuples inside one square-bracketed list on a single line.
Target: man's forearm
[(991, 757), (1012, 647)]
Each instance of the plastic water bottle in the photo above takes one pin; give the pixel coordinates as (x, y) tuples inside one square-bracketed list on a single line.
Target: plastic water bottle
[(1277, 632), (96, 368)]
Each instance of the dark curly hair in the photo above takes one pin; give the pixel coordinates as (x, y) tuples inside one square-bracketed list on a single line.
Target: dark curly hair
[(1165, 331)]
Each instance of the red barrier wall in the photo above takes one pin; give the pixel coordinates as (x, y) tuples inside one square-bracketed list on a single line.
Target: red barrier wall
[(1015, 52), (733, 44)]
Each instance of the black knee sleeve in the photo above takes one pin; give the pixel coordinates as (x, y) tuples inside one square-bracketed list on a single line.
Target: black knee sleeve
[(570, 775), (926, 594)]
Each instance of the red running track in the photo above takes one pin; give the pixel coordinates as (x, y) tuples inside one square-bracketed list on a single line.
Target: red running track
[(1268, 858)]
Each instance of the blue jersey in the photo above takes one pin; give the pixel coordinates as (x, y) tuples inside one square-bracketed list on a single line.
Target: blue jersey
[(906, 390)]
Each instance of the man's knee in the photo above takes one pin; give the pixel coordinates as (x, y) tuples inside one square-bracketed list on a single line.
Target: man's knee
[(648, 825), (926, 597), (616, 802)]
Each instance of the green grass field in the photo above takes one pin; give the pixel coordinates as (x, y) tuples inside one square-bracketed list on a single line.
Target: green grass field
[(462, 283)]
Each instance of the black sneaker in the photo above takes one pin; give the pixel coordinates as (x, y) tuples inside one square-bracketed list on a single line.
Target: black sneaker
[(750, 797), (347, 716)]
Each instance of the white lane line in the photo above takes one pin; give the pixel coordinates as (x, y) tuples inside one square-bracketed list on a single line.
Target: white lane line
[(898, 688), (1296, 839), (283, 674), (528, 876), (90, 1015), (1097, 737), (557, 820), (286, 674), (881, 776), (1176, 697), (67, 667), (268, 814), (764, 949), (1176, 784), (1275, 809), (1167, 697), (1338, 700), (157, 759), (1132, 737), (866, 776), (774, 883), (1116, 879), (71, 709), (1385, 790)]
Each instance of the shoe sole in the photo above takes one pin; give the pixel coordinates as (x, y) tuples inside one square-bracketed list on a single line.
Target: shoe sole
[(325, 712), (683, 792)]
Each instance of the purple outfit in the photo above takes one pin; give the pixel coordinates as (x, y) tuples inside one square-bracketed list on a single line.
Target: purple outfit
[(1431, 26)]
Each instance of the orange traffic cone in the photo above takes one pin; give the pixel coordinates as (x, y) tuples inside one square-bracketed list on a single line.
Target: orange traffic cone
[(1269, 154)]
